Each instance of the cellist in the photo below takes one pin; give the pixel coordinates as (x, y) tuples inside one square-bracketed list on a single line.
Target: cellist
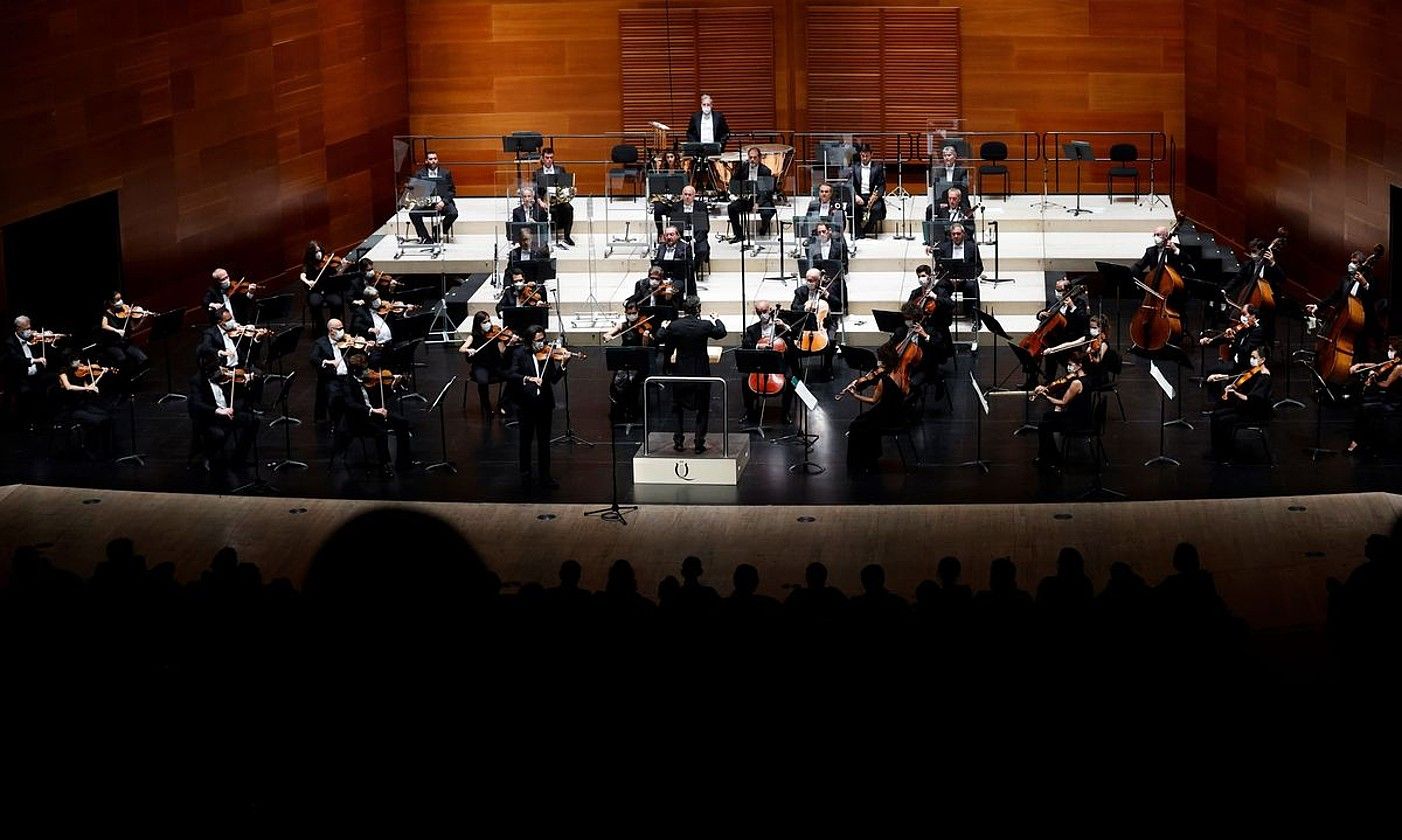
[(1164, 251), (1246, 335), (1260, 264), (1357, 282), (761, 335), (1074, 311), (935, 302), (807, 298)]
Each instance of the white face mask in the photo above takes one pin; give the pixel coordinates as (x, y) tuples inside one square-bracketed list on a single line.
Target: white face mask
[(1094, 331), (519, 285), (654, 281), (632, 316), (706, 109), (371, 295), (26, 334), (1245, 319), (766, 317), (538, 345), (1392, 354), (1255, 362), (338, 334), (925, 281), (1073, 369)]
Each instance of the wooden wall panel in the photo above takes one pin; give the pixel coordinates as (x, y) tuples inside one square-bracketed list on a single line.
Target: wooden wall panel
[(1026, 64), (234, 131), (1291, 120)]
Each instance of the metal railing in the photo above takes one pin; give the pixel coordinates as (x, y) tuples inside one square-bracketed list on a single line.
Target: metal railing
[(724, 407), (1158, 143)]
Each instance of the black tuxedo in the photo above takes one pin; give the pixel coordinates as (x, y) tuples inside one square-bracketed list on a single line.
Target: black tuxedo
[(679, 263), (689, 336), (829, 325), (940, 178), (354, 403), (700, 221), (720, 128), (537, 214), (940, 347), (322, 351), (971, 266), (327, 293), (642, 292), (561, 215), (444, 188), (837, 250), (868, 217), (1150, 260), (536, 405), (238, 304), (745, 205), (836, 217), (211, 344), (212, 429), (30, 388)]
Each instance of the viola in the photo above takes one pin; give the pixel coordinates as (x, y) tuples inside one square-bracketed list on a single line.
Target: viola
[(354, 342), (124, 310), (1054, 385), (643, 326), (242, 286), (1242, 380), (1225, 337), (529, 295), (385, 282), (388, 307), (861, 381), (559, 354), (91, 371), (1158, 322), (45, 337), (380, 378)]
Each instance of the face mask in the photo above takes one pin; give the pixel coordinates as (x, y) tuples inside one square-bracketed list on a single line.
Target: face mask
[(224, 285), (705, 109), (1094, 331), (632, 316), (1244, 320), (1392, 354), (483, 324), (1072, 369), (1257, 362), (228, 326), (338, 334), (654, 281), (371, 295), (538, 345), (518, 285), (26, 334), (766, 317)]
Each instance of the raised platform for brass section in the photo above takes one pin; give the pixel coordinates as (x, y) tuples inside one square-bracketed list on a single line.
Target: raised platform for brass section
[(657, 462)]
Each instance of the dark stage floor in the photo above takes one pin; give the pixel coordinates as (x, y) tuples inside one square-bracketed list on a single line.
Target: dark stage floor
[(485, 454)]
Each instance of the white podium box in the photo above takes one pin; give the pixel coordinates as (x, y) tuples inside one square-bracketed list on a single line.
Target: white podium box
[(656, 462)]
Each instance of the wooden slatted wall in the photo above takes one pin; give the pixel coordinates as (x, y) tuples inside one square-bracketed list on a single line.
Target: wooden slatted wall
[(889, 69), (737, 69)]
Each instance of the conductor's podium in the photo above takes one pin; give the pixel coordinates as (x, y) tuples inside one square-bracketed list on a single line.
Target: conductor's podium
[(657, 462)]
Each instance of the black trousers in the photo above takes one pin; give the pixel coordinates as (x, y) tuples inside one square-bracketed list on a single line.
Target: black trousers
[(240, 428), (1052, 422), (450, 214), (378, 429), (323, 389), (535, 427), (867, 223), (864, 440), (485, 378), (687, 397), (324, 306), (1225, 422), (562, 218), (1367, 422), (745, 205)]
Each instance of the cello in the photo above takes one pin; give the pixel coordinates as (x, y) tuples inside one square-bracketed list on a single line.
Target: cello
[(1158, 323), (1334, 353), (769, 384), (1035, 342)]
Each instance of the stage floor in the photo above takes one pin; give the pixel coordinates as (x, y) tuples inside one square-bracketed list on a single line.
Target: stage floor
[(485, 453)]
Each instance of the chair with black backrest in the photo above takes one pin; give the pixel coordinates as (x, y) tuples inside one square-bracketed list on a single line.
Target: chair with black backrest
[(1259, 430), (1122, 155), (993, 153), (1111, 367), (625, 156), (1092, 435)]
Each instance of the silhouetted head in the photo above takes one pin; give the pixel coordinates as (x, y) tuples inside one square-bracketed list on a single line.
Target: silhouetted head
[(667, 589), (873, 577), (926, 593), (1122, 572), (745, 579), (949, 570), (570, 573), (1378, 547), (1002, 574), (621, 580), (1185, 557), (691, 567), (1070, 563), (816, 575)]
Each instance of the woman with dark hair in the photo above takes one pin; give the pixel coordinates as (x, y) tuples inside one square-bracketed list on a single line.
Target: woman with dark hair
[(322, 275), (486, 350), (886, 401)]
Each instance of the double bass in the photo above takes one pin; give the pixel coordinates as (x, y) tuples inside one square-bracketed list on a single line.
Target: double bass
[(1334, 353), (1258, 292), (1035, 342), (1158, 323)]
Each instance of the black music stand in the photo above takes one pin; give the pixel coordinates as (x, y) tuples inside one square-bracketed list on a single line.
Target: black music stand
[(666, 183), (443, 462), (1321, 389), (660, 314), (282, 346), (751, 191), (524, 145), (1029, 366), (164, 327), (807, 466), (540, 231), (982, 409), (637, 360), (281, 401), (138, 458), (1165, 393), (1121, 278), (1080, 152), (991, 324), (761, 362), (256, 487)]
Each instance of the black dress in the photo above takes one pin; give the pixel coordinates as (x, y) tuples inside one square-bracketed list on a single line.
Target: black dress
[(1074, 416), (864, 432), (1234, 413)]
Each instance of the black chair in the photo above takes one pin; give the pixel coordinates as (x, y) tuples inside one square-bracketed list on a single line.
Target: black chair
[(626, 156), (1092, 435), (1112, 366), (994, 152), (1122, 154), (898, 432), (1258, 431)]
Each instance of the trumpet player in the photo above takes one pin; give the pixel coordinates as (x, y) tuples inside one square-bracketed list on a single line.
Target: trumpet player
[(549, 181)]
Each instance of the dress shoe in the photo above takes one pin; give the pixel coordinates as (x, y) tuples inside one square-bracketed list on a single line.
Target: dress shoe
[(569, 240), (679, 443), (408, 466), (699, 447)]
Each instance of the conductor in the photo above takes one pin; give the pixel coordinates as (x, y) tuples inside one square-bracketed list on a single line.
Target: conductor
[(689, 334)]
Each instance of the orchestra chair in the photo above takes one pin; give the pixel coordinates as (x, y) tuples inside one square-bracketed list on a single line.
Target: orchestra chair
[(1122, 155), (1092, 435), (1258, 430), (901, 431), (993, 153), (1113, 365), (57, 420), (625, 157)]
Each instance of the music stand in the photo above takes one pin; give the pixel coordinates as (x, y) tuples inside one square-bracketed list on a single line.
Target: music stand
[(991, 324), (1121, 277), (256, 487), (888, 321), (524, 145), (1030, 367), (665, 183), (282, 345), (416, 194), (808, 402), (1080, 152), (1321, 388), (139, 458), (638, 360), (751, 191), (982, 465), (277, 308), (281, 400), (443, 462), (1166, 393), (761, 362), (164, 327), (660, 314), (540, 231)]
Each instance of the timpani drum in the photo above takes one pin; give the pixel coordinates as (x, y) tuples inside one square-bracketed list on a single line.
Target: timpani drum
[(776, 156)]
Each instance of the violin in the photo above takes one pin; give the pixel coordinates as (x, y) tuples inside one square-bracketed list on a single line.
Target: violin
[(126, 310), (45, 337), (1226, 336), (373, 378), (331, 261), (249, 331), (1158, 322), (1242, 380), (1372, 373), (642, 325), (385, 282), (502, 334), (354, 342), (91, 371), (1053, 385), (530, 295), (559, 354), (860, 382), (236, 376), (388, 307), (242, 286)]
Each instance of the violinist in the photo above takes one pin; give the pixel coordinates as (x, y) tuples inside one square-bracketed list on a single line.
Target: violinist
[(221, 296), (364, 412), (324, 276), (816, 300), (654, 290), (378, 279), (533, 370), (887, 402), (367, 322), (329, 361), (626, 388), (27, 368), (1102, 360), (934, 309), (84, 404), (118, 322), (1246, 399), (486, 349), (219, 411), (1382, 395), (676, 259), (1070, 411), (1243, 337), (770, 333), (689, 335), (519, 292)]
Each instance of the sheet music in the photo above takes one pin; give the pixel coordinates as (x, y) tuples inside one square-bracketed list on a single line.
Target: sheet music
[(1163, 382)]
